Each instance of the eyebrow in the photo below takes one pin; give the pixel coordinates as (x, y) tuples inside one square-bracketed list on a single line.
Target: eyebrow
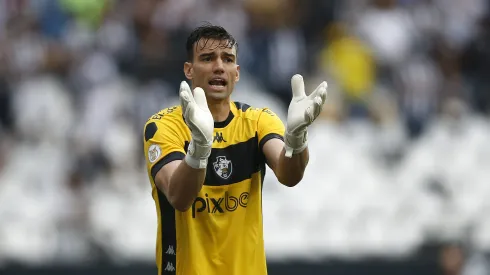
[(230, 55), (207, 54), (213, 54)]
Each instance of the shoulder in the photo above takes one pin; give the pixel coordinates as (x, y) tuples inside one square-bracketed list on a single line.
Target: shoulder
[(168, 118), (173, 113), (250, 112)]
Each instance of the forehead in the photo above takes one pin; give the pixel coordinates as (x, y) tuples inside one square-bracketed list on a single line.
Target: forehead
[(209, 45)]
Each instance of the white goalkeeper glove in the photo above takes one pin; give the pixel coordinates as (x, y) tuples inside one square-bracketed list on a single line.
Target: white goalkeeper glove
[(201, 124), (303, 110)]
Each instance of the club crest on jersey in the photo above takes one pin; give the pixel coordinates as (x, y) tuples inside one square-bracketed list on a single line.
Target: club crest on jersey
[(154, 153), (223, 167)]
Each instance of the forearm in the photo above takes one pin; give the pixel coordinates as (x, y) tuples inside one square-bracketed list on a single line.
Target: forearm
[(291, 170), (185, 184)]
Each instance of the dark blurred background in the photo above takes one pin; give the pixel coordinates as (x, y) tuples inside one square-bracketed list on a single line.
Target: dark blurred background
[(399, 177)]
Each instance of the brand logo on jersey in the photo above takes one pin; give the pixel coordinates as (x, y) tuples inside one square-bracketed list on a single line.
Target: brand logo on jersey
[(170, 250), (154, 153), (219, 137), (223, 167), (219, 205), (170, 267)]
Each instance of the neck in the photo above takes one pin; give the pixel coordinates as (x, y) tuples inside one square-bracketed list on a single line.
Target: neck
[(219, 109)]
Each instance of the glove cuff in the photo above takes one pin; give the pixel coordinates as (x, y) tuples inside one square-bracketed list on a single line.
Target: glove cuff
[(197, 155), (295, 143)]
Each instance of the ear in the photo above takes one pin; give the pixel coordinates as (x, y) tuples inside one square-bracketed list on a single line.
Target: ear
[(188, 71), (237, 73)]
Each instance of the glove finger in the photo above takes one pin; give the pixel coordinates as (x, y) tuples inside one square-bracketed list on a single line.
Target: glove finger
[(200, 98), (312, 111), (322, 87), (298, 86), (323, 96), (318, 105), (184, 95), (309, 114)]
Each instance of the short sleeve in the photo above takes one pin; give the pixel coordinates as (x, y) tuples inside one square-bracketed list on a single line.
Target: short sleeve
[(164, 142), (269, 126)]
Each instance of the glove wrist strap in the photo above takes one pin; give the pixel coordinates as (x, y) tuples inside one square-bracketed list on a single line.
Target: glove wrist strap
[(295, 143), (197, 155)]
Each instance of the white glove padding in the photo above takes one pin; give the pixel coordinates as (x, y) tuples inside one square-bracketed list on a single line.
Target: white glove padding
[(201, 124), (303, 110)]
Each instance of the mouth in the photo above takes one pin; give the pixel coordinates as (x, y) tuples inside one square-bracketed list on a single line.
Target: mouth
[(218, 83)]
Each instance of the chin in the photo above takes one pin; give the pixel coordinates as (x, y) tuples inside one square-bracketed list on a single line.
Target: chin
[(214, 95), (218, 96)]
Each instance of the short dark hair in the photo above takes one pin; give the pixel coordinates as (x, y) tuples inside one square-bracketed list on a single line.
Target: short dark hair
[(206, 32)]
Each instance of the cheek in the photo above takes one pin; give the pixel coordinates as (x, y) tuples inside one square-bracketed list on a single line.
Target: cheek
[(202, 70), (198, 73), (232, 75)]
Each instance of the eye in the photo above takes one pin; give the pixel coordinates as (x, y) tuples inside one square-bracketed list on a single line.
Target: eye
[(207, 58), (229, 60)]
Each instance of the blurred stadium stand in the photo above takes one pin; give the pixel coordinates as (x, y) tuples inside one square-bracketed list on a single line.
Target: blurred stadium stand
[(399, 176)]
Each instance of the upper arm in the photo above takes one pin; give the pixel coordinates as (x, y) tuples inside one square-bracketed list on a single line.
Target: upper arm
[(164, 147), (272, 151), (271, 137), (163, 176)]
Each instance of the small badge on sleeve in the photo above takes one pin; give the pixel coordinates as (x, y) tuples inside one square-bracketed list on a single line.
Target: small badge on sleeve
[(154, 153)]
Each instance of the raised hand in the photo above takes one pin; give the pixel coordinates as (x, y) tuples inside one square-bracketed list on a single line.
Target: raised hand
[(200, 122), (303, 110)]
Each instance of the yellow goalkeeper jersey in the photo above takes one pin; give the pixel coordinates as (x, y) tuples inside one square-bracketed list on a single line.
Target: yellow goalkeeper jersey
[(221, 234)]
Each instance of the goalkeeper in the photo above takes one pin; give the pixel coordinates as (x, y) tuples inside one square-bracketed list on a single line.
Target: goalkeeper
[(206, 162)]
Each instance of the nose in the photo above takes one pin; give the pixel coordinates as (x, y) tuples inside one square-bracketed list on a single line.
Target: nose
[(218, 66)]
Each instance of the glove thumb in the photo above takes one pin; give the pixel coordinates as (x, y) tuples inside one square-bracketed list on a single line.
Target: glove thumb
[(298, 86), (200, 98), (185, 95)]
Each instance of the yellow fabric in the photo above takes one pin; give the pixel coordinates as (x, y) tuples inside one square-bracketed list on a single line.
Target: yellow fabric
[(221, 234)]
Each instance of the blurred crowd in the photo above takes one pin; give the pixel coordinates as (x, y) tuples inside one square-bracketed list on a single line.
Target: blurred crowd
[(402, 143)]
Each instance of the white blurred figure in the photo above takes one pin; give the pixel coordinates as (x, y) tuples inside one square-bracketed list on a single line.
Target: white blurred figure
[(420, 82), (389, 31), (108, 97), (121, 213), (427, 18), (71, 211), (43, 110), (450, 152), (44, 118), (30, 187), (122, 216), (459, 19), (389, 137)]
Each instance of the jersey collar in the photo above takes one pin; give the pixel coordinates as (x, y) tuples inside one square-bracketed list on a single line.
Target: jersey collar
[(231, 115)]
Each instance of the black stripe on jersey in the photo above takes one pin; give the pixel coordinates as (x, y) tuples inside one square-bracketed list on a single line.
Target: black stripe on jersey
[(150, 130), (168, 158), (168, 237), (238, 162), (262, 169), (269, 137), (242, 106)]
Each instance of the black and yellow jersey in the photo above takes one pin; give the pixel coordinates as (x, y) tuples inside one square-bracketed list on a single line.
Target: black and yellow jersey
[(222, 233)]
